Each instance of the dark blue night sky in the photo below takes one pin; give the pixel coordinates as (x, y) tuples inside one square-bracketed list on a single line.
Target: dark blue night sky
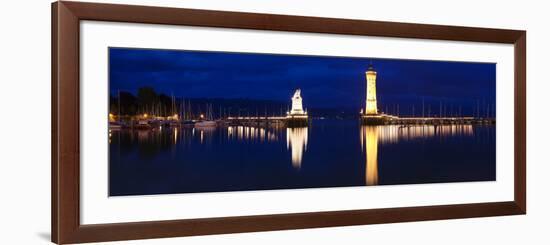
[(326, 82)]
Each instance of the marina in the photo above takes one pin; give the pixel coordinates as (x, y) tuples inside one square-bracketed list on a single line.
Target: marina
[(181, 114), (276, 122)]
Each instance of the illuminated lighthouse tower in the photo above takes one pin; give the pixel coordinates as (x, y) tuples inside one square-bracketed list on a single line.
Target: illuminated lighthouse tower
[(371, 107), (370, 114), (296, 117), (297, 108)]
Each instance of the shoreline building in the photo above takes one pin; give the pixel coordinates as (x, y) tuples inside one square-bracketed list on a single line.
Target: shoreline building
[(297, 116)]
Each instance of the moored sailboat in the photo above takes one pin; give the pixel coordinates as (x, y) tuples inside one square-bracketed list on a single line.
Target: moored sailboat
[(209, 122)]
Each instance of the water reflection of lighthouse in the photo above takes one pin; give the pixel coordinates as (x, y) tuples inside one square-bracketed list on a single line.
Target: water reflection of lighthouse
[(371, 136), (296, 132), (296, 142), (369, 145)]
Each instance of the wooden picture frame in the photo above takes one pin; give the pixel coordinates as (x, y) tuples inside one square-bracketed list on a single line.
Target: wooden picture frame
[(66, 226)]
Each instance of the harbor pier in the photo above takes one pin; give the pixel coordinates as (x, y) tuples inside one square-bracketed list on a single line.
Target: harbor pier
[(370, 115), (383, 119)]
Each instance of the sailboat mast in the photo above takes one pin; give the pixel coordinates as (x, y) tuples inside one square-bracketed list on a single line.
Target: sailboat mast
[(119, 113)]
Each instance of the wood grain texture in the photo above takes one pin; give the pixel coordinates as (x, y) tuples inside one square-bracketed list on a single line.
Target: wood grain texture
[(209, 18), (520, 148), (66, 17), (66, 127), (54, 139)]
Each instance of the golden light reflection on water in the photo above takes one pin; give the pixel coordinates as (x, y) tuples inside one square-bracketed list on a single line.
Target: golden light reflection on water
[(296, 142), (297, 138), (205, 134), (175, 136), (371, 136), (396, 133), (246, 133)]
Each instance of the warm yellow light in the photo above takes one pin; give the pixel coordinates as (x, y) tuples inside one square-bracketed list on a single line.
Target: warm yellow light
[(145, 115), (371, 107), (296, 142), (370, 139), (111, 115), (202, 115), (297, 108)]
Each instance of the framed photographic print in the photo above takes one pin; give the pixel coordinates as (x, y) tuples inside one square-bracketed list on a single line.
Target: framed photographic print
[(177, 122)]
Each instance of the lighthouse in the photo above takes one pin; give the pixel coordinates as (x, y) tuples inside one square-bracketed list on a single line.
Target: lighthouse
[(370, 104), (297, 116), (297, 108), (370, 114)]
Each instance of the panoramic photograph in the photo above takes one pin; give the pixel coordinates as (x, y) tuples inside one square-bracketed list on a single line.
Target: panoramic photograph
[(185, 121)]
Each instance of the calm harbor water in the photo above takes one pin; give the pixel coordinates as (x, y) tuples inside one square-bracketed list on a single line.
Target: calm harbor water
[(328, 153)]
